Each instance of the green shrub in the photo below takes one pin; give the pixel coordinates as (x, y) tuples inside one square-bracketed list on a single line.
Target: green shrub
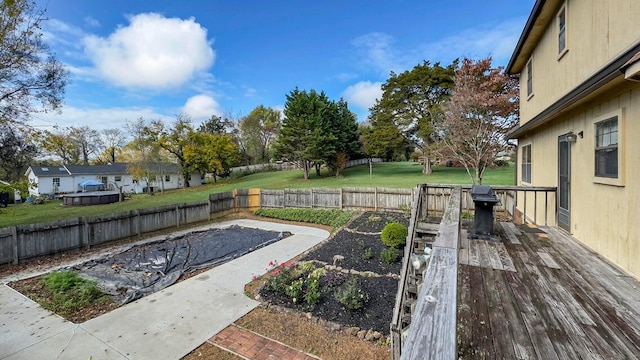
[(351, 296), (312, 295), (394, 235), (281, 277), (367, 254), (70, 292), (294, 291), (333, 218), (389, 255)]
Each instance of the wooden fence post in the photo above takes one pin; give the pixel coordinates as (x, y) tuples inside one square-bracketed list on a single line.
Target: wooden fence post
[(14, 240), (341, 205), (138, 225), (375, 199), (177, 215), (84, 224)]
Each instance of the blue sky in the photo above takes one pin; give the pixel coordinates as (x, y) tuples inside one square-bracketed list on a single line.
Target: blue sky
[(156, 59)]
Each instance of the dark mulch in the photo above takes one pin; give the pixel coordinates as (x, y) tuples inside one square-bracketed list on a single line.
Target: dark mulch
[(353, 247), (374, 222), (375, 315), (377, 312)]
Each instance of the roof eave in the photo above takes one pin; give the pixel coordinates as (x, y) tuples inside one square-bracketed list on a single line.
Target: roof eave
[(535, 12)]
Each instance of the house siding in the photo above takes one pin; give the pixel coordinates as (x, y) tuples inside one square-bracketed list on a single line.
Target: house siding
[(603, 216), (597, 31), (603, 212)]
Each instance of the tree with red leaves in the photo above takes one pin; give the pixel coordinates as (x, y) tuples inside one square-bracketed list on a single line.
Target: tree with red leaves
[(481, 110)]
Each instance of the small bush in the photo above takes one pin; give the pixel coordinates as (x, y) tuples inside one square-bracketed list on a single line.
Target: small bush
[(312, 295), (294, 291), (281, 277), (389, 255), (334, 279), (317, 273), (333, 218), (394, 235), (367, 254), (351, 296)]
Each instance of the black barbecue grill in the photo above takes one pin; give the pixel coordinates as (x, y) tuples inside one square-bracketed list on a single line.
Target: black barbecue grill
[(484, 199)]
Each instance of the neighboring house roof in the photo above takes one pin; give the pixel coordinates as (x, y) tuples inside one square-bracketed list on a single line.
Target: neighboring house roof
[(49, 170), (110, 169)]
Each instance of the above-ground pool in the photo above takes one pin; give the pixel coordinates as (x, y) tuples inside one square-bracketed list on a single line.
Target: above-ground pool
[(144, 269)]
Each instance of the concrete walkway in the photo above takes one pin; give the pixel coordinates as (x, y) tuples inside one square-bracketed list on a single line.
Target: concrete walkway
[(165, 325)]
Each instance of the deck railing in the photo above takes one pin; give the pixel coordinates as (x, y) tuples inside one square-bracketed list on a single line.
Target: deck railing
[(424, 319)]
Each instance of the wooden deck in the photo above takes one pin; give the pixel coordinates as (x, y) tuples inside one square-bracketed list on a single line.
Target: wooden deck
[(538, 294)]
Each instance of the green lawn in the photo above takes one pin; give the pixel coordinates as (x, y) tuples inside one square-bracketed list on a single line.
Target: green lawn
[(398, 175)]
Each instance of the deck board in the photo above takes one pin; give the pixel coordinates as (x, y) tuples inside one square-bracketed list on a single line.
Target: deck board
[(544, 296)]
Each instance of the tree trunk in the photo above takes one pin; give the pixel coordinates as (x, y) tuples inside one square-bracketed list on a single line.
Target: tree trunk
[(318, 170), (185, 174), (426, 169), (305, 168)]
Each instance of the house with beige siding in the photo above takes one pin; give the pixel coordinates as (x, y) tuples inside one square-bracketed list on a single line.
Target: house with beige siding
[(579, 68)]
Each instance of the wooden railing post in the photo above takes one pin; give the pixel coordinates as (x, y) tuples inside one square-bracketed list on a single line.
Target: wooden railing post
[(14, 241)]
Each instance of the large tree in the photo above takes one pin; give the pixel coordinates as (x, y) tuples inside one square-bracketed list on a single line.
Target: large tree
[(258, 130), (144, 157), (17, 151), (211, 153), (31, 78), (344, 127), (305, 136), (384, 142), (412, 102), (111, 141), (173, 138), (483, 107), (73, 145)]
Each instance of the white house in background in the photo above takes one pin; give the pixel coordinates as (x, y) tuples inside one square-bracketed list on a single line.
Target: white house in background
[(65, 178)]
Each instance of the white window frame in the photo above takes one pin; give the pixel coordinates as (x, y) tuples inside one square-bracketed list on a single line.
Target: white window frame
[(620, 179), (561, 20), (526, 165), (529, 72)]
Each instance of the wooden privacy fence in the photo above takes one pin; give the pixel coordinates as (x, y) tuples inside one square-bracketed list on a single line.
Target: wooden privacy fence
[(27, 241), (389, 199)]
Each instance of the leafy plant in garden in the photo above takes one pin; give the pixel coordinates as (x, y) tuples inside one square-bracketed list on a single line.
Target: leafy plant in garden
[(294, 290), (333, 218), (312, 294), (394, 235), (367, 254), (334, 279), (350, 295), (282, 276), (389, 255)]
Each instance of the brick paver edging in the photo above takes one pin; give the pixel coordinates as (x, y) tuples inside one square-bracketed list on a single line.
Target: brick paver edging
[(249, 345)]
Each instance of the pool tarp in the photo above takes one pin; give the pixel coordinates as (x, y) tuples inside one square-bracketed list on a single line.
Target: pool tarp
[(144, 269)]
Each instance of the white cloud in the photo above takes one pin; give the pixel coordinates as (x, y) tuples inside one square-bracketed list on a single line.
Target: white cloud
[(151, 52), (496, 40), (377, 50), (103, 118), (91, 22), (363, 94), (201, 107)]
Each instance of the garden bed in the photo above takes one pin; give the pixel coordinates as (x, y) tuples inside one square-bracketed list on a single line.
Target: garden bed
[(352, 255)]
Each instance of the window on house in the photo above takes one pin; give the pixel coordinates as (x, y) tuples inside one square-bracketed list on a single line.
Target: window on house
[(118, 178), (167, 178), (56, 183), (530, 77), (135, 180), (526, 163), (562, 30), (104, 180), (606, 153)]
